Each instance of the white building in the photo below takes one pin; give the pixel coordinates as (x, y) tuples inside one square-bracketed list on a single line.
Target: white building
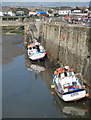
[(1, 13), (10, 13), (64, 12), (19, 13), (32, 13), (76, 11)]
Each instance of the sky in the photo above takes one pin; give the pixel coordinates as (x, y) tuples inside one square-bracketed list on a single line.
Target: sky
[(45, 0)]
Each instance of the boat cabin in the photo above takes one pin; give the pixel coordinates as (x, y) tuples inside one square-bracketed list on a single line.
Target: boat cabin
[(63, 74), (67, 73), (34, 48)]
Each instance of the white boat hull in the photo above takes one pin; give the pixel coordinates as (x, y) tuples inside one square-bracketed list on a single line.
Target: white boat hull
[(67, 85), (37, 56), (73, 96)]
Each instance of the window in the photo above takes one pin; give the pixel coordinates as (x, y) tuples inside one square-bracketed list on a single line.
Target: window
[(30, 48)]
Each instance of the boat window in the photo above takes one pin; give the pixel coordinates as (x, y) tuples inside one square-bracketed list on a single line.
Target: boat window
[(65, 73), (30, 48), (59, 75), (71, 73), (34, 47), (37, 47)]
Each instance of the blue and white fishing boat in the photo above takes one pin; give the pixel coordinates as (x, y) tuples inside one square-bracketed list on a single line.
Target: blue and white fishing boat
[(67, 85), (36, 51)]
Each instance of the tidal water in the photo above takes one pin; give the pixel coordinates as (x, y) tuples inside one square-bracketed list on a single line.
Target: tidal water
[(26, 91)]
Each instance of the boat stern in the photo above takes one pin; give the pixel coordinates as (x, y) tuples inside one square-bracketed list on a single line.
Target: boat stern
[(75, 95)]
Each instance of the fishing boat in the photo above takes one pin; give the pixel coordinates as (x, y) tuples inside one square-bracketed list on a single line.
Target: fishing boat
[(36, 51), (67, 85)]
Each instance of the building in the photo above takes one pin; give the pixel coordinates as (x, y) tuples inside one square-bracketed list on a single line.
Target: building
[(79, 11), (64, 12), (1, 13), (32, 13), (10, 13), (20, 13), (41, 13)]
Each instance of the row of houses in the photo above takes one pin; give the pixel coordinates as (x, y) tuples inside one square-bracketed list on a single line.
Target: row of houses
[(59, 12), (21, 13), (73, 11), (70, 11), (10, 13)]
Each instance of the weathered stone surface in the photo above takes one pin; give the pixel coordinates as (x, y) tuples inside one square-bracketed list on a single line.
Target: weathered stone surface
[(68, 44)]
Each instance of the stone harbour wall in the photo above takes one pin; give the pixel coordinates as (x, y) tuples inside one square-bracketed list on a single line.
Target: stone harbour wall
[(68, 44)]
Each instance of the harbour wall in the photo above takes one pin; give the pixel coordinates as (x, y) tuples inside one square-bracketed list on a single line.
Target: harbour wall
[(69, 45), (65, 44)]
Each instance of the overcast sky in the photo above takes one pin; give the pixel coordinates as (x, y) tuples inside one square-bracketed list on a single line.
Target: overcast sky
[(45, 0)]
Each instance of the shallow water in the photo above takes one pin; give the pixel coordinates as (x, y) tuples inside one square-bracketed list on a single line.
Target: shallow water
[(26, 89)]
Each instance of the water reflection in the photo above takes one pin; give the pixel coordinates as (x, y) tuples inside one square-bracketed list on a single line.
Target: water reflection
[(73, 109), (36, 66)]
